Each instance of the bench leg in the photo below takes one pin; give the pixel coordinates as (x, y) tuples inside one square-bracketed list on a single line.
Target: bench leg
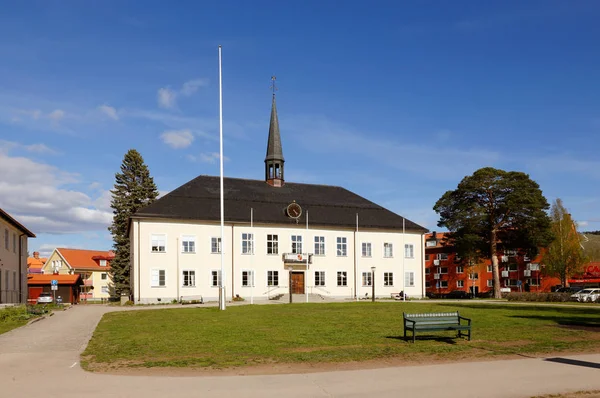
[(469, 334), (414, 336)]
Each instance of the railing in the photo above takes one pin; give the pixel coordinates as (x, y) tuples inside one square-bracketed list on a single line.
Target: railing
[(272, 289)]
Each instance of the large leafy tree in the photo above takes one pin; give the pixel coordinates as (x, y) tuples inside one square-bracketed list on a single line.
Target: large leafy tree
[(495, 207), (565, 255), (134, 188)]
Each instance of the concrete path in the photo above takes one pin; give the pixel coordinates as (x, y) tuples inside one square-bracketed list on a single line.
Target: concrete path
[(42, 359)]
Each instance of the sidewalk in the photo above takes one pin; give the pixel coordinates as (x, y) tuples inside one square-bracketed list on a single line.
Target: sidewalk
[(43, 359)]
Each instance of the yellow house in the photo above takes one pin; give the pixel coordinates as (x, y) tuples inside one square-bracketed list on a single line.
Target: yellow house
[(13, 259), (92, 265)]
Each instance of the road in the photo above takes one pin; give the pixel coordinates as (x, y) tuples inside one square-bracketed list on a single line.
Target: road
[(42, 359)]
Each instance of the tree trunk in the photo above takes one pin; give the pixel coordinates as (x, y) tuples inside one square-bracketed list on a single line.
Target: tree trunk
[(493, 247)]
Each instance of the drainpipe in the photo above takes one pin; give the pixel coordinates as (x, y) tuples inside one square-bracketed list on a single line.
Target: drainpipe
[(21, 269), (177, 277), (232, 262), (138, 264)]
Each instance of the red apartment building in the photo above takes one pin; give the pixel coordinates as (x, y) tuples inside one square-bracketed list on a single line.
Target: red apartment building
[(445, 271)]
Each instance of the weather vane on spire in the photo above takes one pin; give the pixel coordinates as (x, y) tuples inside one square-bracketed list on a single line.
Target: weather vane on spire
[(273, 86)]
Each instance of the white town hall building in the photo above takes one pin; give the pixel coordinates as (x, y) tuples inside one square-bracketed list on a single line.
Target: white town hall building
[(323, 240)]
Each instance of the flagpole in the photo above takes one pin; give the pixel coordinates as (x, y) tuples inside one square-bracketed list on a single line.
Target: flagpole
[(307, 255), (251, 281), (403, 257), (356, 261), (222, 287)]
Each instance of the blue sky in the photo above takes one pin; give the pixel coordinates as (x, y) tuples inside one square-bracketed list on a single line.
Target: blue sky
[(396, 101)]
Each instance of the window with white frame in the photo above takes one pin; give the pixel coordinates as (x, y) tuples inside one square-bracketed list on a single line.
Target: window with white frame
[(104, 289), (159, 243), (490, 283), (188, 244), (297, 244), (460, 283), (409, 250), (366, 249), (342, 246), (409, 279), (388, 250), (367, 278), (532, 282), (431, 243), (388, 279), (104, 276), (272, 278), (474, 276), (441, 284), (342, 278), (319, 278), (158, 278), (215, 245), (248, 278), (247, 243), (441, 256), (103, 263), (272, 244), (490, 268), (459, 269), (319, 245), (189, 278), (215, 278)]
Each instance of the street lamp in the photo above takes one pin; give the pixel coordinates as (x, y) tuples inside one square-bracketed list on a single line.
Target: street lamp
[(290, 269), (373, 283)]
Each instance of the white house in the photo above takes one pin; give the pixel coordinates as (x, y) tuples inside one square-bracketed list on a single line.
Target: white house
[(279, 236)]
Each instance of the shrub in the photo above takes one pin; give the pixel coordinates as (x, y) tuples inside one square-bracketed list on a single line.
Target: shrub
[(539, 297), (128, 302), (238, 298)]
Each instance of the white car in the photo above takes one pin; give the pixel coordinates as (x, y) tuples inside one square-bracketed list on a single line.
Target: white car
[(586, 295), (45, 298)]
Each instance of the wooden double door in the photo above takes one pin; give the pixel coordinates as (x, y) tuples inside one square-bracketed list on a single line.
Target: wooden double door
[(297, 282)]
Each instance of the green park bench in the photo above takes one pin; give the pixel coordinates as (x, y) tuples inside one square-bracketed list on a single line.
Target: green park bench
[(434, 322)]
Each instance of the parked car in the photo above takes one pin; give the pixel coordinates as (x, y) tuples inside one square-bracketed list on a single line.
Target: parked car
[(586, 295), (458, 294), (45, 298), (570, 289)]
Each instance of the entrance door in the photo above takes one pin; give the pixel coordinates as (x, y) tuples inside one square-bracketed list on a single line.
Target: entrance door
[(298, 282)]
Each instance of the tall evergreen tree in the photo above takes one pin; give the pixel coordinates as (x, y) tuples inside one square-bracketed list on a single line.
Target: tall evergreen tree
[(565, 255), (134, 188), (494, 207)]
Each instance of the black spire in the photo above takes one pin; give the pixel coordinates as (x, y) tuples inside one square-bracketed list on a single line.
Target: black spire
[(274, 158)]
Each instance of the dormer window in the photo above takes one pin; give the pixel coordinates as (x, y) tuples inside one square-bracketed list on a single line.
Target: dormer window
[(431, 243), (103, 263)]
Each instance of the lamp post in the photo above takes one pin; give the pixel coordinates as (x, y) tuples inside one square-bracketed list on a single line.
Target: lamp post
[(373, 283), (290, 269)]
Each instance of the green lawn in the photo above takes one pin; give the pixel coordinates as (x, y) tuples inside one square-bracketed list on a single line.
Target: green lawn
[(340, 332), (13, 317)]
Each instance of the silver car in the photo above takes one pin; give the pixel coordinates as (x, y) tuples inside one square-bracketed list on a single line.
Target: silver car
[(586, 295), (45, 298)]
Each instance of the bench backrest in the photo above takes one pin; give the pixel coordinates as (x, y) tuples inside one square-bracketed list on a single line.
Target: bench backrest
[(434, 318)]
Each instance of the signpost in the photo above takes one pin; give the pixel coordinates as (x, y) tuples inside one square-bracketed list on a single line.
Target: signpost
[(54, 287)]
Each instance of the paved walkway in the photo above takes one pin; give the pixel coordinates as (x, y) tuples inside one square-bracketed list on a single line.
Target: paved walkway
[(42, 359)]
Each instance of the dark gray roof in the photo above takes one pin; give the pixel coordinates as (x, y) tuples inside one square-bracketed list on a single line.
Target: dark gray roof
[(274, 151), (327, 205)]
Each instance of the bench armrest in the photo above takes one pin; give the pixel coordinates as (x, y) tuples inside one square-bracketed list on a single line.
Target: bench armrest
[(466, 319), (409, 320)]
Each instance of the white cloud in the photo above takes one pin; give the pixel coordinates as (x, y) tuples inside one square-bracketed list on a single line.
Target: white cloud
[(109, 111), (35, 148), (211, 157), (166, 98), (190, 87), (177, 138), (582, 223), (37, 195), (57, 115)]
